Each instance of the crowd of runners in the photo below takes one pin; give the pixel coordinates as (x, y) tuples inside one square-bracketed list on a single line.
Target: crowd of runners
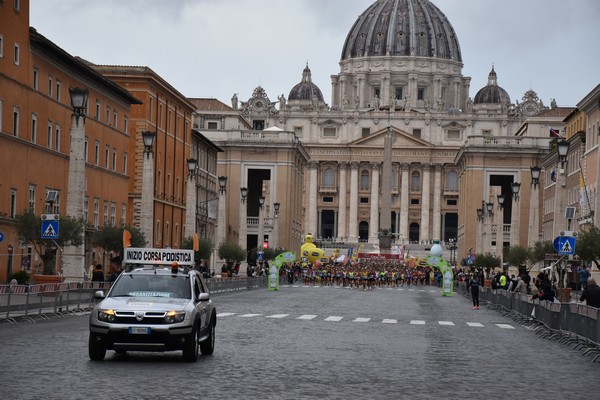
[(366, 275)]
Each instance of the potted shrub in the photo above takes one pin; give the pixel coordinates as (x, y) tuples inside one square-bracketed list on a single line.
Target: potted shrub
[(232, 253)]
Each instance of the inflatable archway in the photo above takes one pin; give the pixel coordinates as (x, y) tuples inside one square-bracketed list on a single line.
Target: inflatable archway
[(435, 260)]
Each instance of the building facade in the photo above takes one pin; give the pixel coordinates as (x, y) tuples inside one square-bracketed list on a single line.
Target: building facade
[(36, 126), (400, 89)]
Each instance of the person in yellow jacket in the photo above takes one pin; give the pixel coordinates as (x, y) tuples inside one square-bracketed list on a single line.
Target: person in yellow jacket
[(502, 281)]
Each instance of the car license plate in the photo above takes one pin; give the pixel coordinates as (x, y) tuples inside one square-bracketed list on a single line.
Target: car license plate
[(139, 330)]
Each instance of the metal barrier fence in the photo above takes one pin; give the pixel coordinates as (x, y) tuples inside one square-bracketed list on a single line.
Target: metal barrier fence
[(31, 302), (570, 318)]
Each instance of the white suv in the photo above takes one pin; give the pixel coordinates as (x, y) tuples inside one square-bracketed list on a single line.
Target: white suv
[(154, 309)]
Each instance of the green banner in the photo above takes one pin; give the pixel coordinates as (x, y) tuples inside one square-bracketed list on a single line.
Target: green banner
[(447, 274), (281, 259)]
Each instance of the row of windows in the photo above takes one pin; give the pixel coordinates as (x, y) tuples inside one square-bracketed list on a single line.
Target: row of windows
[(176, 233), (110, 157), (329, 180), (109, 214), (413, 202)]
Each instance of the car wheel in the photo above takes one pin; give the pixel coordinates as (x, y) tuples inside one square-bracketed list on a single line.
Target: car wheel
[(190, 351), (96, 349), (208, 346)]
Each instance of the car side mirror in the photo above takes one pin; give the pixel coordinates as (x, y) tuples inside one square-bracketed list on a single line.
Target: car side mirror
[(99, 295), (203, 297)]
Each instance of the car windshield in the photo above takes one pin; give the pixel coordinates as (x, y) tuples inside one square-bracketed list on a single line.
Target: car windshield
[(151, 285)]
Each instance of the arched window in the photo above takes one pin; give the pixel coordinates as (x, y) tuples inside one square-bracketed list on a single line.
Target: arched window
[(364, 180), (415, 182), (453, 181), (328, 177)]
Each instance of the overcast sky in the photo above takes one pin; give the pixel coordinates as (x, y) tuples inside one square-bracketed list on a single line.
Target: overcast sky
[(214, 48)]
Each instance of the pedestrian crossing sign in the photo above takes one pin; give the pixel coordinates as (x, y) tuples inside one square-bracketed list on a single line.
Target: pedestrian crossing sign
[(565, 245), (50, 229)]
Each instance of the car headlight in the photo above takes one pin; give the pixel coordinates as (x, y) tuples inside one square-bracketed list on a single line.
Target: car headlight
[(106, 315), (174, 316)]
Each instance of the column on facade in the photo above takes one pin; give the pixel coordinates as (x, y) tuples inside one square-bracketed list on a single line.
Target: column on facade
[(412, 91), (222, 218), (313, 193), (363, 98), (374, 217), (425, 233), (353, 213), (404, 199), (437, 202), (74, 256), (385, 91), (342, 231)]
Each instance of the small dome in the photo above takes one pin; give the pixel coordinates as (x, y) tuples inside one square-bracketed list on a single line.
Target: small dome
[(306, 89), (492, 93), (413, 28)]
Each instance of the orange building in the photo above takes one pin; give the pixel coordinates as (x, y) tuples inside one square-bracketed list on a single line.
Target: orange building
[(167, 113), (35, 124)]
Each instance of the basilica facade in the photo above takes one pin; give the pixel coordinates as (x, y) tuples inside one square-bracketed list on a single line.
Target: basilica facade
[(399, 96)]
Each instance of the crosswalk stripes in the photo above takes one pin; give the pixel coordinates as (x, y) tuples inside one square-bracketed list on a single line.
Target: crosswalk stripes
[(307, 317), (338, 318)]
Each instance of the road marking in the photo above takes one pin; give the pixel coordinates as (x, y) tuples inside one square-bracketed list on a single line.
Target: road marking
[(249, 315), (446, 323), (225, 314), (333, 319), (278, 316), (361, 320), (475, 324), (505, 326), (307, 317), (389, 321), (417, 322)]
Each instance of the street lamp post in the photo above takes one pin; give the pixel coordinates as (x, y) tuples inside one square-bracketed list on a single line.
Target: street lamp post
[(275, 239), (74, 256), (489, 206), (533, 231), (514, 220), (192, 197), (479, 247), (221, 216), (261, 223), (147, 206), (243, 241)]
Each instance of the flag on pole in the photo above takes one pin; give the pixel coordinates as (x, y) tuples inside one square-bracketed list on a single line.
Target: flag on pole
[(555, 133), (582, 195)]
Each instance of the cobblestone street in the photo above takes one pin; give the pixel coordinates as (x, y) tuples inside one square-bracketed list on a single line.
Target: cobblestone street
[(310, 342)]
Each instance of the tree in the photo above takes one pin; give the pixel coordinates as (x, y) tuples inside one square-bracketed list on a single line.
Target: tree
[(516, 256), (539, 250), (110, 240), (587, 247), (487, 261), (232, 253), (29, 228), (205, 248)]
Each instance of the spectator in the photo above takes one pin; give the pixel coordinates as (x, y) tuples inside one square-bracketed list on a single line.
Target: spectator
[(512, 284), (521, 286), (584, 275), (474, 284), (591, 293), (98, 275)]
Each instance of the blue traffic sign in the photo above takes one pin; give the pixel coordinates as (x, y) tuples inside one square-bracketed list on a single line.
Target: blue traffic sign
[(50, 229), (565, 244), (1, 236)]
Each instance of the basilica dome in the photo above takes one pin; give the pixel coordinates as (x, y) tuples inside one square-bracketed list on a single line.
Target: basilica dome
[(306, 89), (402, 28), (492, 93)]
